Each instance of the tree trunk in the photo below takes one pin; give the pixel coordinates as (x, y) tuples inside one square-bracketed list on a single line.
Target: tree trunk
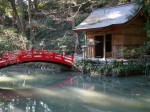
[(21, 6), (20, 26), (30, 21), (3, 16), (13, 20), (75, 35), (36, 5)]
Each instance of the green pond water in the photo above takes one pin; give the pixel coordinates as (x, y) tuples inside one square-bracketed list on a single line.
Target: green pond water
[(42, 89)]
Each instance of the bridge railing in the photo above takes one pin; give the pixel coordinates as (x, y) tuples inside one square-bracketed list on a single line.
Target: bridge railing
[(29, 55)]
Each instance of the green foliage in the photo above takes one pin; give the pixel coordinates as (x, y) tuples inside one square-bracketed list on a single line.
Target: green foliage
[(4, 6), (9, 40), (130, 68), (123, 1), (79, 19), (6, 21), (86, 7), (148, 27), (41, 6), (132, 52), (147, 7), (49, 21), (43, 33), (146, 4), (66, 25), (148, 48), (147, 70), (51, 4), (115, 69), (67, 41)]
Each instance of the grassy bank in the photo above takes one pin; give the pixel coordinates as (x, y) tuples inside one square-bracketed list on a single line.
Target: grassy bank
[(114, 68)]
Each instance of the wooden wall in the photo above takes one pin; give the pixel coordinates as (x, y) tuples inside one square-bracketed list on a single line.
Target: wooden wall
[(118, 41), (134, 33), (129, 35)]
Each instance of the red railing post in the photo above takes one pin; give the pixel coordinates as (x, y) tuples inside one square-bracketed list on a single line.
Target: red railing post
[(43, 53), (62, 57), (72, 58), (53, 55), (32, 53), (1, 55), (20, 54)]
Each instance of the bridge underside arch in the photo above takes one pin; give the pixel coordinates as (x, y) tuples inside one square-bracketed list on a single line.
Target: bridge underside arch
[(57, 63)]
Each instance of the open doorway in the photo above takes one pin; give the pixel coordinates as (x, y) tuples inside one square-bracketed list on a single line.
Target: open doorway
[(108, 45), (103, 47), (99, 46)]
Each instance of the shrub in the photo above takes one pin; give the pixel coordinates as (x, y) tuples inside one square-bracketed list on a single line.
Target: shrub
[(115, 69), (51, 4), (147, 69), (43, 33), (49, 21), (132, 52), (9, 40)]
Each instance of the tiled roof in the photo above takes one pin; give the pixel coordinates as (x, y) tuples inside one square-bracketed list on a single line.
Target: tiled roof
[(104, 17)]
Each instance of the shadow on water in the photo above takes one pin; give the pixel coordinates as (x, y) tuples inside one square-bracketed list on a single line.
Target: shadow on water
[(42, 89)]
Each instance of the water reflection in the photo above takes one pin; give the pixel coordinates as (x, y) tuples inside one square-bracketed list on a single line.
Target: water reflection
[(46, 91), (16, 103)]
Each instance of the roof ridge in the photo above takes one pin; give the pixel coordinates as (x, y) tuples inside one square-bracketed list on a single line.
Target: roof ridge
[(119, 5)]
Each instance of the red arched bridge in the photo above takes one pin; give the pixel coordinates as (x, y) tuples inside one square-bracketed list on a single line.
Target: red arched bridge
[(24, 56)]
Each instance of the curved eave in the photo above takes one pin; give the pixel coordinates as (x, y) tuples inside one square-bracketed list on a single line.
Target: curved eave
[(135, 16), (93, 29)]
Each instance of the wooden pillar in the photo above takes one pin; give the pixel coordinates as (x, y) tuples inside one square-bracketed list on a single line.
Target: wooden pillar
[(85, 41), (104, 50), (85, 38)]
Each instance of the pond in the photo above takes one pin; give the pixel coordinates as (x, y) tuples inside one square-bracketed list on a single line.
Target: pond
[(24, 88)]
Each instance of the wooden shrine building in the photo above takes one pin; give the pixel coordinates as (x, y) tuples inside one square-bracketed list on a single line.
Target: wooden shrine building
[(107, 30)]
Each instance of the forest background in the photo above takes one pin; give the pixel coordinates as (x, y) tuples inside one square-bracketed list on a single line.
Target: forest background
[(48, 24)]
